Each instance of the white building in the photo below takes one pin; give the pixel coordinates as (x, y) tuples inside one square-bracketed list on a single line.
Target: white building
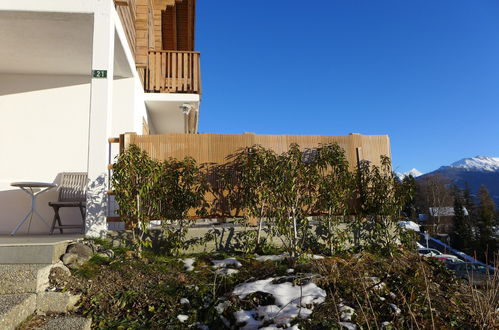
[(74, 73)]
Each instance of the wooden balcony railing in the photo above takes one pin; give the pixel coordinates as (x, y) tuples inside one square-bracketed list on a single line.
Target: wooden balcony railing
[(173, 72)]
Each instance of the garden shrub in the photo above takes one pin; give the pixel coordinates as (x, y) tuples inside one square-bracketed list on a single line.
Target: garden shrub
[(280, 191)]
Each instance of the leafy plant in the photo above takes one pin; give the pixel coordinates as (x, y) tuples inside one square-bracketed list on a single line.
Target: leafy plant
[(382, 197), (255, 170), (133, 183), (335, 196), (147, 190)]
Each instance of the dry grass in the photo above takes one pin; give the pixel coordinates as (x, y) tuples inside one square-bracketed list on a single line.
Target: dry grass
[(485, 303)]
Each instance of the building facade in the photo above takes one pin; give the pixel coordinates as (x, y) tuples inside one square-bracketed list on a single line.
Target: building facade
[(74, 74)]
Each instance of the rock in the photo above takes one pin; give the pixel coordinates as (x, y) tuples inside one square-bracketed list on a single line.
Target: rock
[(79, 253), (107, 253), (59, 277), (69, 259), (82, 250)]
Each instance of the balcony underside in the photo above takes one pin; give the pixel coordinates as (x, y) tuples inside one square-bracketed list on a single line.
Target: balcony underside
[(51, 43), (167, 112)]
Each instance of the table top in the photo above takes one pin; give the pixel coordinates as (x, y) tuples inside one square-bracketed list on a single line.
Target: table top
[(31, 184)]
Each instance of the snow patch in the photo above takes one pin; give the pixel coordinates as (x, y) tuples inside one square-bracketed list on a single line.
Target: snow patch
[(379, 285), (396, 310), (226, 262), (409, 225), (272, 257), (189, 264), (226, 271), (182, 318), (348, 325), (291, 301), (220, 308), (346, 312)]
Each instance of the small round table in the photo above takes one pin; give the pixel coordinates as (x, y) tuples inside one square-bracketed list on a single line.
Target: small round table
[(29, 188)]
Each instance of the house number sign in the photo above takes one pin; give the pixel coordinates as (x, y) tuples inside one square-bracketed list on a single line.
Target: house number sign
[(99, 73)]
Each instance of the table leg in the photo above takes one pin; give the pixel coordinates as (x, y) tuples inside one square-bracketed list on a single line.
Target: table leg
[(21, 223), (33, 209), (41, 218)]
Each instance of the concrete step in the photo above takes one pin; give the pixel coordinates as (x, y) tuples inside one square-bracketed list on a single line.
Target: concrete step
[(36, 249), (15, 308), (56, 302), (66, 323), (29, 278)]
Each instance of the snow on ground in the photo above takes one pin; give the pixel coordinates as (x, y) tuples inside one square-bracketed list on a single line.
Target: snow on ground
[(182, 318), (272, 257), (226, 271), (291, 301), (348, 325), (283, 256), (396, 310), (313, 256), (346, 312), (273, 327), (409, 225), (378, 284), (226, 262), (189, 264)]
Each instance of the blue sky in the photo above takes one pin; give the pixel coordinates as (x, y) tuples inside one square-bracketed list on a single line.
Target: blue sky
[(425, 72)]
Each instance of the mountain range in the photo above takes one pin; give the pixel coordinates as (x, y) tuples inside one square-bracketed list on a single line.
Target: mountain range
[(414, 172), (475, 171)]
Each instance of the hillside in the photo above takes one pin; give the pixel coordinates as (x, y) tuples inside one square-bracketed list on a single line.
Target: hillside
[(249, 292), (475, 171)]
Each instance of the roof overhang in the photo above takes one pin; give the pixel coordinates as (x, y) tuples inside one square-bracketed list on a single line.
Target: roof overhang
[(52, 43)]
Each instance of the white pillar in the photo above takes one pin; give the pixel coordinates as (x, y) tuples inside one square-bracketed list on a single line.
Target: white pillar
[(100, 119)]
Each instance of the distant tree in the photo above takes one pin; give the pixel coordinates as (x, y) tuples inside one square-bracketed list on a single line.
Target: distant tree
[(462, 237), (410, 209), (468, 199), (433, 192), (486, 218)]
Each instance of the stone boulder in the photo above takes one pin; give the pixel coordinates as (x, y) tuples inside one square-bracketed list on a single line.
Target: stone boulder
[(79, 253)]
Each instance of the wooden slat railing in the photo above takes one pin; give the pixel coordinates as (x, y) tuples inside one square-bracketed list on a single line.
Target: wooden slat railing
[(173, 72), (127, 12)]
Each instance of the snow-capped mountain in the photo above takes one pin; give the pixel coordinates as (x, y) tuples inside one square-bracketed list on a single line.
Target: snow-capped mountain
[(475, 172), (414, 172), (478, 163)]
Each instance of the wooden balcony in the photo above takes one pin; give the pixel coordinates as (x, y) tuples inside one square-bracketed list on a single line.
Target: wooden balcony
[(172, 72)]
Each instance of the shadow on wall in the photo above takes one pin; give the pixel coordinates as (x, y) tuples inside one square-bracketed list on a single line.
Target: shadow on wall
[(14, 84), (15, 204), (97, 207)]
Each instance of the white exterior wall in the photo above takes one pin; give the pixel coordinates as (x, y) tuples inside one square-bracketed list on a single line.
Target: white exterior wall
[(128, 106), (60, 123), (43, 132)]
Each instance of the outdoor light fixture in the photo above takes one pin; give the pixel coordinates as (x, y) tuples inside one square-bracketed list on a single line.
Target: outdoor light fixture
[(186, 108)]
